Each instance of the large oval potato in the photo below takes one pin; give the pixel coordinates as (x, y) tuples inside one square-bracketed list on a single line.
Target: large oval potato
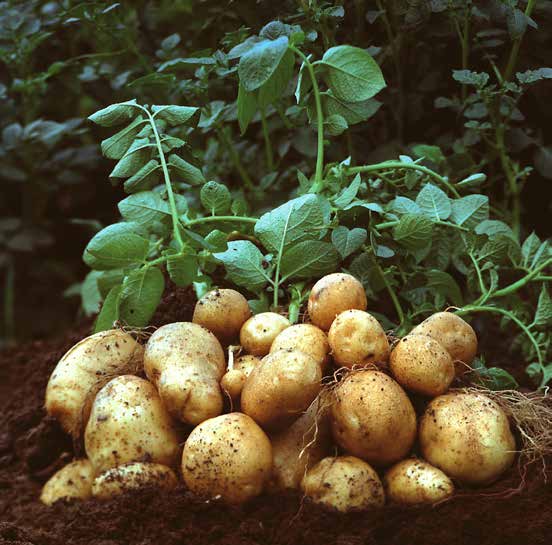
[(259, 332), (305, 338), (227, 457), (333, 294), (83, 370), (234, 379), (128, 423), (74, 481), (372, 417), (468, 436)]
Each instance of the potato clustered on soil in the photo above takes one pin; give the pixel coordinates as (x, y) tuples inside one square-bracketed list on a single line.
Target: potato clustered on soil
[(325, 407)]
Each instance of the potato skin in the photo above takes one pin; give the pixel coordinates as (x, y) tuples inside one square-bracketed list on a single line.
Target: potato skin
[(306, 338), (414, 481), (357, 338), (333, 294), (128, 423), (372, 417), (234, 379), (281, 388), (229, 456), (74, 481), (344, 483), (258, 333), (468, 436), (420, 364), (83, 370), (223, 312)]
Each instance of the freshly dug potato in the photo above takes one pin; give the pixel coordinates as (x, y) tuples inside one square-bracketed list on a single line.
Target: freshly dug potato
[(454, 334), (72, 481), (420, 364), (258, 333), (83, 370), (344, 483), (128, 423), (305, 338), (223, 312), (372, 417), (228, 457), (281, 388), (414, 481), (468, 436), (133, 476), (234, 379), (357, 338), (333, 294), (186, 363)]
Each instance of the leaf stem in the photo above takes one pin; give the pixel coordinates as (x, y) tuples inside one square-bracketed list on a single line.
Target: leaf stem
[(209, 219), (279, 259), (389, 224), (522, 281), (268, 143), (391, 291)]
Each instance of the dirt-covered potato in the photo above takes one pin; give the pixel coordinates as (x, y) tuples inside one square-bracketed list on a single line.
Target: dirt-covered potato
[(305, 338), (186, 363), (281, 388), (357, 338), (223, 312), (227, 457), (133, 476), (468, 436), (258, 333), (372, 417), (72, 481), (128, 423), (234, 379), (83, 370), (333, 294), (414, 481), (420, 364), (345, 483)]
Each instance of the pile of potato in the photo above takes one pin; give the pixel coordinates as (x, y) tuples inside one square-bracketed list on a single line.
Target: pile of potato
[(263, 419)]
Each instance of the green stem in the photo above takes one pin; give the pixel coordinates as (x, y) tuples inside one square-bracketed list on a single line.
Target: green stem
[(392, 293), (389, 224), (482, 287), (208, 219), (279, 260), (268, 144), (522, 281), (235, 158)]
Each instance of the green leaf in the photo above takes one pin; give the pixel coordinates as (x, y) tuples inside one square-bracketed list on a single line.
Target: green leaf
[(115, 114), (109, 313), (470, 211), (183, 269), (146, 177), (144, 208), (413, 231), (176, 115), (215, 197), (90, 293), (140, 296), (434, 203), (335, 125), (188, 172), (273, 89), (117, 145), (217, 240), (473, 179), (347, 241), (352, 112), (444, 284), (432, 153), (543, 316), (467, 77), (304, 83), (307, 259), (534, 251), (404, 205), (494, 228), (348, 194), (136, 157), (493, 378), (109, 279), (247, 106)]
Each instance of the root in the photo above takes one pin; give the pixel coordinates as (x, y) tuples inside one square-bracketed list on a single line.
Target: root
[(141, 334)]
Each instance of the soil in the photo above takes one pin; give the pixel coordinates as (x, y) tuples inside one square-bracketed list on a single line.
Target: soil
[(32, 448)]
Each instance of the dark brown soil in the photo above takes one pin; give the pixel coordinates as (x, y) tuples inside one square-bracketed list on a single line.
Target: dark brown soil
[(32, 447)]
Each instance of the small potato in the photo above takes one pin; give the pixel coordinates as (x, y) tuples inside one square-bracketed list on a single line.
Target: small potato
[(420, 364), (372, 417), (123, 479), (281, 388), (357, 338), (258, 333), (344, 483), (72, 481), (83, 370), (223, 312), (333, 294), (305, 338), (414, 481), (128, 423), (229, 457), (234, 379), (468, 436)]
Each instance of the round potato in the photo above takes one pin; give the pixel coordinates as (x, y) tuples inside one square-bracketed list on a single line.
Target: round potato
[(357, 338), (372, 417), (305, 338), (72, 481), (258, 333), (234, 379), (333, 294), (420, 364), (414, 481), (468, 436), (227, 457), (344, 483)]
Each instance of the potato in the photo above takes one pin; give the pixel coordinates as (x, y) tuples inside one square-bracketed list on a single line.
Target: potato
[(357, 338), (333, 294), (133, 476), (234, 379), (227, 457), (420, 364), (83, 370), (72, 481), (223, 312), (468, 436), (454, 334), (186, 363), (305, 338), (281, 388), (372, 417), (128, 423), (414, 481), (258, 333), (344, 483)]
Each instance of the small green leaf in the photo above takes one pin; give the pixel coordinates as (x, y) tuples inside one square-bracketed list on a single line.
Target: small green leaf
[(144, 208), (136, 158), (115, 114), (534, 251), (494, 228), (90, 293), (348, 194), (434, 203), (413, 231), (183, 269), (335, 125), (109, 313), (146, 177), (352, 112), (117, 145), (177, 115), (273, 89), (140, 296), (188, 172), (247, 106), (404, 205), (304, 83), (493, 378), (307, 259), (543, 316), (470, 211), (108, 279), (432, 153), (348, 241), (215, 197), (473, 179)]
